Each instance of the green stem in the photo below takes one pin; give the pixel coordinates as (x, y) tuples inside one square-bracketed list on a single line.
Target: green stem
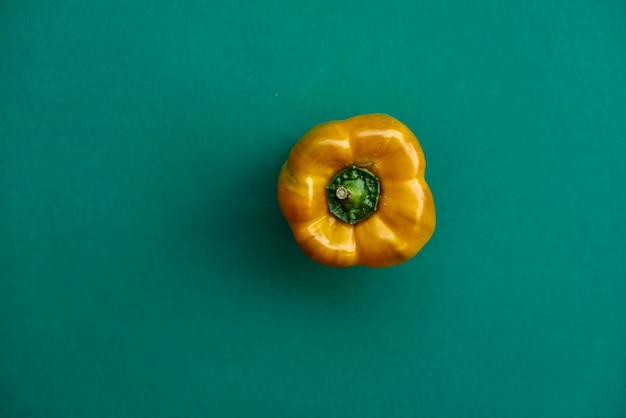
[(353, 194)]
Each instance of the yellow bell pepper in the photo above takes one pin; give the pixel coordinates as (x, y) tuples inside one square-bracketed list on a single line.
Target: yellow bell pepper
[(353, 192)]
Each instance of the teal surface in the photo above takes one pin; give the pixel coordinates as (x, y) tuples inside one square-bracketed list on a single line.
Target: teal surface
[(145, 268)]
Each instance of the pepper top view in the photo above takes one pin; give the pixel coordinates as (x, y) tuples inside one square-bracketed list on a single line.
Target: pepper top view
[(354, 192)]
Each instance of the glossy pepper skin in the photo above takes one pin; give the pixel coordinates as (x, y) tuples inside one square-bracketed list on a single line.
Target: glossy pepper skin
[(404, 219)]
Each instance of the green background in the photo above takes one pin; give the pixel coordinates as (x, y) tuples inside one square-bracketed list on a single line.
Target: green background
[(146, 270)]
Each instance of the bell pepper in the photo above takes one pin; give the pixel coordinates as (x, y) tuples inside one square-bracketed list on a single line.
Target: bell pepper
[(353, 192)]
